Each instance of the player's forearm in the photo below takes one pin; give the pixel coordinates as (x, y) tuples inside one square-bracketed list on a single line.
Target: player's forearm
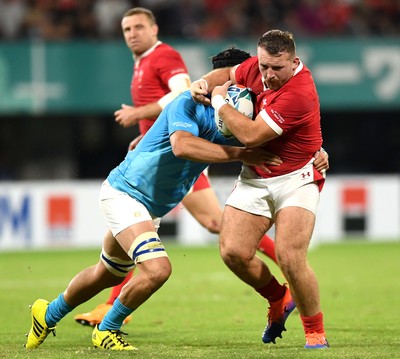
[(217, 77), (200, 150), (151, 110)]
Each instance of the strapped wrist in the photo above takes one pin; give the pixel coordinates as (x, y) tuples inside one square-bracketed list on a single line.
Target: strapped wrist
[(217, 102)]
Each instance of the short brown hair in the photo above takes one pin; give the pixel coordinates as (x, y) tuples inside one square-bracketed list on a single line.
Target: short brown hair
[(141, 10), (278, 41)]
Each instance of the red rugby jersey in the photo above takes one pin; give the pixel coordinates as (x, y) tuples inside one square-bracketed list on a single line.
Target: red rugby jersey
[(152, 71), (294, 108)]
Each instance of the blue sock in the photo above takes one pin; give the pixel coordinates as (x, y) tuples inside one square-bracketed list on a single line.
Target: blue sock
[(57, 310), (115, 316)]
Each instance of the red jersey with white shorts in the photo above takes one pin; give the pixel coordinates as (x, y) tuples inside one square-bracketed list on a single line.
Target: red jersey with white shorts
[(152, 71), (293, 112)]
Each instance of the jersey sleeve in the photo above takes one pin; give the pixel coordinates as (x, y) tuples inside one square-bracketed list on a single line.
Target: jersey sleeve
[(170, 64), (245, 72), (285, 111)]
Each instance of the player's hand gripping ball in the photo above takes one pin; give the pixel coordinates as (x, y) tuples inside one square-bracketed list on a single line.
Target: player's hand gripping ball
[(240, 98)]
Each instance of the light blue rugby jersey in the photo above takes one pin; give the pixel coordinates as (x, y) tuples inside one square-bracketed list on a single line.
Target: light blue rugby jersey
[(151, 173)]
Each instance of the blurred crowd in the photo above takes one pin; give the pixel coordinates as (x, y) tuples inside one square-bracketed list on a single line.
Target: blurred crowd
[(199, 19)]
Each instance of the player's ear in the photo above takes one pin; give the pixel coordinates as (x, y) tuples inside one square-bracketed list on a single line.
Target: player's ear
[(155, 29), (296, 63)]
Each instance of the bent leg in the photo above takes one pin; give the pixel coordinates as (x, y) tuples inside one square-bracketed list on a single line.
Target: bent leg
[(239, 238), (140, 243), (92, 280)]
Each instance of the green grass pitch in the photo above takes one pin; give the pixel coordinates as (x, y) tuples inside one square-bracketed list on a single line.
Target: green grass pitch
[(204, 311)]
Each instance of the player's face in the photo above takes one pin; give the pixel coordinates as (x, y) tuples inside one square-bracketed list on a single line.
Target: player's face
[(139, 33), (276, 70)]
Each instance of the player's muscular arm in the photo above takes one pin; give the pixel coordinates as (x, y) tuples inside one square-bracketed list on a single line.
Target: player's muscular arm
[(200, 88), (128, 116), (251, 133), (187, 146)]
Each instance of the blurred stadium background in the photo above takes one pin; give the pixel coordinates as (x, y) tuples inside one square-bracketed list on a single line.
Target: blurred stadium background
[(64, 70)]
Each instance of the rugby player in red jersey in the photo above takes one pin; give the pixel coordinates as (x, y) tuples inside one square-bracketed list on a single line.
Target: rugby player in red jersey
[(287, 124)]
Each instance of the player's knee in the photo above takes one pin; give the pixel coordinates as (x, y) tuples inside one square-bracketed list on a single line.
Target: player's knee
[(154, 273), (160, 272), (290, 262), (148, 250), (234, 256)]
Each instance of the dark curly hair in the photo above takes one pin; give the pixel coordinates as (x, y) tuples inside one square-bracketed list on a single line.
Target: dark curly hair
[(229, 57)]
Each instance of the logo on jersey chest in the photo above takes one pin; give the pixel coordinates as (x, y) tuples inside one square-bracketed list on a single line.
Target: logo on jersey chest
[(138, 77), (264, 102)]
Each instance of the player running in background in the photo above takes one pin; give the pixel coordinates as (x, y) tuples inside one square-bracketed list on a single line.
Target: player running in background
[(288, 124), (160, 75)]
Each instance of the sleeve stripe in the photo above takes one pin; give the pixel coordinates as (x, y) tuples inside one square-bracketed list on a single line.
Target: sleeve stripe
[(270, 122)]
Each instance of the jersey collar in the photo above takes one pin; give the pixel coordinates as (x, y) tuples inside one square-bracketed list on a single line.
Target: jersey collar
[(299, 68), (149, 51)]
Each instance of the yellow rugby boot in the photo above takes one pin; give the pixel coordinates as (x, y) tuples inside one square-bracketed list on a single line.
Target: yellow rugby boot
[(39, 329), (110, 339)]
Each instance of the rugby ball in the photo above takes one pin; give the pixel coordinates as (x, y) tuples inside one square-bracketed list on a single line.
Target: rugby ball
[(239, 97)]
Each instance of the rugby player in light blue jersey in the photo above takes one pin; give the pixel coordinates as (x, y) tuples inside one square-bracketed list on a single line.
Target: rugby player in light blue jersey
[(159, 174), (152, 180)]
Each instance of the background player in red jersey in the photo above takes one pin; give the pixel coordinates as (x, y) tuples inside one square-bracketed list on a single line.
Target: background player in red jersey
[(160, 75), (288, 124)]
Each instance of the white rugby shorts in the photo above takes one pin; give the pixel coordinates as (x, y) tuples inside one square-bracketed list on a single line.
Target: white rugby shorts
[(121, 210), (265, 196)]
